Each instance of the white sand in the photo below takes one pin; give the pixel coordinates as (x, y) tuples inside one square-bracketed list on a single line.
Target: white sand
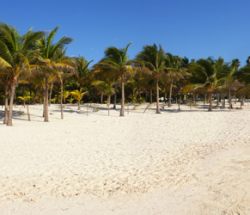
[(191, 162)]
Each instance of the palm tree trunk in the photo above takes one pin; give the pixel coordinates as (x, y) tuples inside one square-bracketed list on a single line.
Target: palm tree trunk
[(210, 102), (88, 109), (46, 101), (28, 112), (170, 94), (179, 103), (157, 98), (50, 92), (185, 99), (12, 95), (101, 98), (241, 102), (43, 103), (218, 99), (224, 102), (115, 95), (230, 99), (123, 99), (108, 103), (79, 105), (6, 107), (194, 98), (61, 99), (164, 100), (151, 96)]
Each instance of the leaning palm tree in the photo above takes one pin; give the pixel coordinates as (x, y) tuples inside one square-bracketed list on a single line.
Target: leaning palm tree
[(49, 62), (16, 51), (154, 58), (117, 61)]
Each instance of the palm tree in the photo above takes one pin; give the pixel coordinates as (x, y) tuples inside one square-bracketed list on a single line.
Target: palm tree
[(25, 98), (154, 58), (106, 88), (65, 95), (229, 79), (139, 83), (81, 69), (16, 51), (104, 80), (78, 96), (64, 69), (244, 77), (4, 79), (244, 74), (117, 61), (248, 61), (176, 71), (49, 62), (206, 75)]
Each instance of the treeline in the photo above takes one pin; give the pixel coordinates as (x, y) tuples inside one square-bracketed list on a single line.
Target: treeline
[(34, 68)]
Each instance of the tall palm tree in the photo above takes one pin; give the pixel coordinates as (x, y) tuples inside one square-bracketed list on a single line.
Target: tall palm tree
[(230, 77), (49, 61), (104, 80), (244, 77), (117, 61), (4, 81), (206, 74), (176, 71), (16, 51), (64, 69), (154, 58)]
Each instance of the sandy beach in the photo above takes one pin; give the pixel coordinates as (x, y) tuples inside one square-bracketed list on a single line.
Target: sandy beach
[(188, 162)]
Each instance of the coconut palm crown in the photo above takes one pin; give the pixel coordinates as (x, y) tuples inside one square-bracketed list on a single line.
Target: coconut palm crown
[(49, 61), (16, 52)]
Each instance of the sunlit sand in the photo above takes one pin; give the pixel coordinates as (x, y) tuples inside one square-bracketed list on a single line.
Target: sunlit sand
[(188, 162)]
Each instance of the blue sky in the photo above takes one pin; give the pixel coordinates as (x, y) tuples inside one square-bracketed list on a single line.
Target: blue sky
[(192, 28)]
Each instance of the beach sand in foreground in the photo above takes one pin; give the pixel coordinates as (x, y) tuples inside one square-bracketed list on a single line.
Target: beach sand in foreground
[(189, 162)]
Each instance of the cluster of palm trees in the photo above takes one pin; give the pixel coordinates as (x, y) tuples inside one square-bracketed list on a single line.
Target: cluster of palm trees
[(35, 68)]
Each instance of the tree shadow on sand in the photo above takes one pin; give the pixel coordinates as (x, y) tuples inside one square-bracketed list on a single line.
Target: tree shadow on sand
[(15, 114)]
